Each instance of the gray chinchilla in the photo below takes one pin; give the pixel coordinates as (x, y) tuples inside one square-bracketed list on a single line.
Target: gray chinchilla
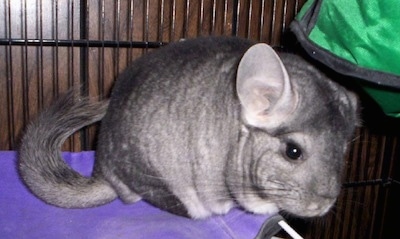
[(198, 127)]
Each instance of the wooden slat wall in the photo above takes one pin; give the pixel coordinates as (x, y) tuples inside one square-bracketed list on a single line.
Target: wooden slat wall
[(33, 74)]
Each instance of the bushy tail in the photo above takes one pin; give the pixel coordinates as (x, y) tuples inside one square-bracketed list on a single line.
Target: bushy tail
[(41, 165)]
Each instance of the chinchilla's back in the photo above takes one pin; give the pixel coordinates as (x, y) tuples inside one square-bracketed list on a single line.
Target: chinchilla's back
[(178, 104)]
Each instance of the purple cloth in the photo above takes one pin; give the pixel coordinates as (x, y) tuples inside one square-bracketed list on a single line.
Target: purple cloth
[(24, 216)]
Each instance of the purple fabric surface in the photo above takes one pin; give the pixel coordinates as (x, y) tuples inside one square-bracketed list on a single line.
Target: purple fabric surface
[(24, 216)]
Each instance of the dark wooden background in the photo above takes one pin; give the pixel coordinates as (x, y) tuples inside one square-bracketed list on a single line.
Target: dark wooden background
[(48, 46)]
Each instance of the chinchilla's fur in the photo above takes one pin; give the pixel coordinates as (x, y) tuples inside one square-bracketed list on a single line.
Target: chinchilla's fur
[(201, 126)]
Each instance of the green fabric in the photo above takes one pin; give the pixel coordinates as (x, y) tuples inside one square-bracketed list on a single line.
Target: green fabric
[(363, 33), (304, 9), (387, 98)]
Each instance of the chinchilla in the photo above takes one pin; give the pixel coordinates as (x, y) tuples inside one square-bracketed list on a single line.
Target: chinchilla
[(199, 127)]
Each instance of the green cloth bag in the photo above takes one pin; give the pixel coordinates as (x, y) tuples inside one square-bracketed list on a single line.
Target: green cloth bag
[(359, 38)]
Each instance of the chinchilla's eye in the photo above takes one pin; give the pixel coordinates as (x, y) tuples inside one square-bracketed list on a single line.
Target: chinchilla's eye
[(293, 151)]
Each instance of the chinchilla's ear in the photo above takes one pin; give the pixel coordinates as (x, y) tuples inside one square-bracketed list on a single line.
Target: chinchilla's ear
[(264, 88)]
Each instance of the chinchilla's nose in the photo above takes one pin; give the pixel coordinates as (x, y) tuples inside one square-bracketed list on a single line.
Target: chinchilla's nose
[(321, 206), (328, 186)]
